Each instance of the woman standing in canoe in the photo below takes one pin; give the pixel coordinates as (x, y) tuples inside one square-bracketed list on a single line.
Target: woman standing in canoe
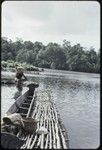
[(20, 77)]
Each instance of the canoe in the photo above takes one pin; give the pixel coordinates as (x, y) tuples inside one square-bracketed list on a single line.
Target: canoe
[(40, 106), (7, 81)]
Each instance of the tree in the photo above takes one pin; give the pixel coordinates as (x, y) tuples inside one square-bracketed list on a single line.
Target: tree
[(74, 57), (91, 60), (6, 52), (66, 46), (26, 56), (55, 56), (28, 45), (98, 62)]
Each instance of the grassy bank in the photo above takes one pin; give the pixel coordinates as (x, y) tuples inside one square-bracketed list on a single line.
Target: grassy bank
[(12, 65)]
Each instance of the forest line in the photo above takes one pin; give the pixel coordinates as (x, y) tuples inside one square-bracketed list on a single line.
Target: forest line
[(53, 55)]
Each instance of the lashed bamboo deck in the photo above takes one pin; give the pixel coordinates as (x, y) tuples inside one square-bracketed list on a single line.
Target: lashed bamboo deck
[(39, 105), (43, 109)]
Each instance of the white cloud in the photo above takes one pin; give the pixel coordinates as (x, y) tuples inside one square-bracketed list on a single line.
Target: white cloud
[(47, 21)]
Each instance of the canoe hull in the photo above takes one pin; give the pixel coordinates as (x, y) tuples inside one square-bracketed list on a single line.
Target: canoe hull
[(14, 108), (41, 107)]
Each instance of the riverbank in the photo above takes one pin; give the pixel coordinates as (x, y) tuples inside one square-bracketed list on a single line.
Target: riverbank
[(8, 76), (12, 65)]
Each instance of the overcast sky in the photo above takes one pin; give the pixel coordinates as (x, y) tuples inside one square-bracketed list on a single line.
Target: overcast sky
[(53, 21)]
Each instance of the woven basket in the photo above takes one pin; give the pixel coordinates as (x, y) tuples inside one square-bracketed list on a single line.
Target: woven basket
[(30, 125)]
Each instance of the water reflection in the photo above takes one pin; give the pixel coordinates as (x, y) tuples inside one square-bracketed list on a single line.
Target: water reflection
[(79, 105), (78, 101)]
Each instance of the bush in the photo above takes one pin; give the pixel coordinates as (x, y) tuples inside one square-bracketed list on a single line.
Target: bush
[(10, 65), (3, 64)]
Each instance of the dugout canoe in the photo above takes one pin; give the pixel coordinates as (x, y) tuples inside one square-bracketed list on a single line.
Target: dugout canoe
[(39, 105), (7, 81)]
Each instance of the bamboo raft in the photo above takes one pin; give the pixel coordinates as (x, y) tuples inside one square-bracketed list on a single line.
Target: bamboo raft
[(39, 105)]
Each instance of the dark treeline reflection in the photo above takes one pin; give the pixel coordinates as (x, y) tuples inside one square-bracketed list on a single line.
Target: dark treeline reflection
[(53, 55)]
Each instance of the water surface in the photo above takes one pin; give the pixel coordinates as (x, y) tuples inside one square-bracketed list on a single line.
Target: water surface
[(77, 97)]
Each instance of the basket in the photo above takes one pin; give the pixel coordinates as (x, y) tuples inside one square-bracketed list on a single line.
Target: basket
[(12, 118), (30, 125)]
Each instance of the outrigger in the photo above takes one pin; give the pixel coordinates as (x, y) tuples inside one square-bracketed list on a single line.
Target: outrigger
[(42, 125)]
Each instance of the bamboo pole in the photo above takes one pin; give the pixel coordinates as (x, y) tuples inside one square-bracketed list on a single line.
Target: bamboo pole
[(63, 139), (30, 140), (35, 113), (53, 134), (46, 143), (56, 128), (44, 118), (28, 114), (42, 141), (39, 140), (27, 140), (41, 122), (50, 141), (45, 112), (57, 136), (33, 143), (28, 143), (47, 126), (35, 110), (31, 104)]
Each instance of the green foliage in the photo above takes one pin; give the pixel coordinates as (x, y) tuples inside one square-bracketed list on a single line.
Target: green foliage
[(4, 64), (55, 56), (13, 65)]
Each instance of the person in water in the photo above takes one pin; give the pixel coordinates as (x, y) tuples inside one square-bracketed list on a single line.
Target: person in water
[(20, 77)]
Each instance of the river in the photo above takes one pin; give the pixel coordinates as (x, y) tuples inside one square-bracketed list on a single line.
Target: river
[(77, 97)]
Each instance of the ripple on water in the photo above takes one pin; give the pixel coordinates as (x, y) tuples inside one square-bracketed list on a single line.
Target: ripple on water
[(77, 97)]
